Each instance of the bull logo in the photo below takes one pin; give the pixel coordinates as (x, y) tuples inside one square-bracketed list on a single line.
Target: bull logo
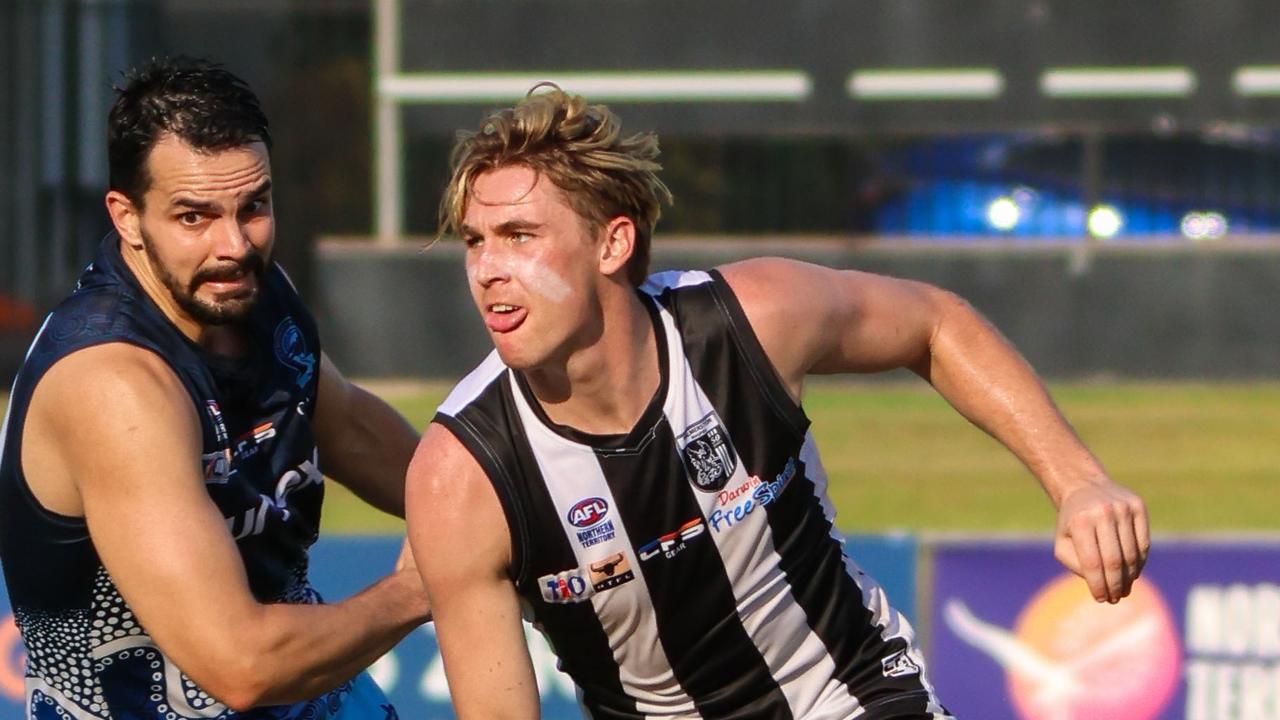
[(610, 572), (608, 565)]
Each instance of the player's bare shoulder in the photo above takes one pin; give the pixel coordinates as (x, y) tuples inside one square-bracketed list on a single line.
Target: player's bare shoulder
[(788, 305), (114, 379), (91, 404), (444, 470), (759, 277), (450, 500)]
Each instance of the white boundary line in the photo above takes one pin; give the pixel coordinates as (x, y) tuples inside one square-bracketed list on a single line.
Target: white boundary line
[(643, 86), (1256, 80), (926, 84), (1136, 82)]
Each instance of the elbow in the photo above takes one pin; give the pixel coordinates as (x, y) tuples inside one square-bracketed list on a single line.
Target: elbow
[(953, 316), (240, 684), (951, 324), (241, 702), (237, 676), (947, 303)]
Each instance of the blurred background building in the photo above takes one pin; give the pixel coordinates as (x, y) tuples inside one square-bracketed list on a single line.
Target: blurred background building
[(1103, 179)]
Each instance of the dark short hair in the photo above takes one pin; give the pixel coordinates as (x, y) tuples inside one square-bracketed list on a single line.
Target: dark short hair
[(196, 100)]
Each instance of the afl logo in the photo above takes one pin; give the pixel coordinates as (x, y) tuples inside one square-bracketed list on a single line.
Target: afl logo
[(588, 512)]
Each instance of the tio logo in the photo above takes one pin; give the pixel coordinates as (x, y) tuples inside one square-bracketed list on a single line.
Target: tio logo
[(568, 586), (1071, 658)]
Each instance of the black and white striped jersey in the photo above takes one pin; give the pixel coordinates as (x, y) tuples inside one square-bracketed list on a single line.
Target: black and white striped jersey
[(691, 567)]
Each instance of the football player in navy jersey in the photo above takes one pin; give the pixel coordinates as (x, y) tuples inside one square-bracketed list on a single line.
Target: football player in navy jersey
[(161, 476), (632, 470)]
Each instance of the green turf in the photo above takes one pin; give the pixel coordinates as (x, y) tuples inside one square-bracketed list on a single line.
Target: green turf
[(1205, 456)]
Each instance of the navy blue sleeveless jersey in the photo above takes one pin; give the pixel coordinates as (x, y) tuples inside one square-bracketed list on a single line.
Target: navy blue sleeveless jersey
[(88, 656), (691, 568)]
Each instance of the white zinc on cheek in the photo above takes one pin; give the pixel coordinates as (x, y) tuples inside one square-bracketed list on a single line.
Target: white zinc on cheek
[(473, 272), (538, 278)]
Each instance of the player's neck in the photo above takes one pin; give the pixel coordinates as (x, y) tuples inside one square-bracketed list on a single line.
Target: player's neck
[(604, 388)]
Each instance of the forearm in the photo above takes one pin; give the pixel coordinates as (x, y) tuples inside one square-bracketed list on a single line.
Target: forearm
[(311, 649), (988, 381), (493, 679), (373, 453)]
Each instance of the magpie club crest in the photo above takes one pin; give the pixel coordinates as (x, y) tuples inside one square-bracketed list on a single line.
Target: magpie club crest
[(708, 456)]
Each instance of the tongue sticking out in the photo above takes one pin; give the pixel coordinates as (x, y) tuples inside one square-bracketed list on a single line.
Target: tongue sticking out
[(505, 322)]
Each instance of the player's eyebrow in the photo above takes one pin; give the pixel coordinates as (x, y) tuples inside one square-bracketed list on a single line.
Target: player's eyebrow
[(188, 203), (505, 228), (512, 226), (198, 205)]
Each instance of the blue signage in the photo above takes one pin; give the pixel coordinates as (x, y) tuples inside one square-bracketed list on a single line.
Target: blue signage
[(412, 674)]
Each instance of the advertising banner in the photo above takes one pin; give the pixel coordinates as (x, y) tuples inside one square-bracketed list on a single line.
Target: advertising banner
[(413, 673), (1015, 637), (13, 662)]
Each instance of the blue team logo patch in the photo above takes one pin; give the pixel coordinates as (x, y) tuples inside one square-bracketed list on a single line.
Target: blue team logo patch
[(708, 456), (292, 352)]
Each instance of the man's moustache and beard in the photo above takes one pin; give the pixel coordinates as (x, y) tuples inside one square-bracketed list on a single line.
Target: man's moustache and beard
[(230, 308)]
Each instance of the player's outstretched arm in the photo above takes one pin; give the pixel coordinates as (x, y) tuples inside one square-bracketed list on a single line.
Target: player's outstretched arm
[(463, 549), (116, 421), (857, 322), (364, 443)]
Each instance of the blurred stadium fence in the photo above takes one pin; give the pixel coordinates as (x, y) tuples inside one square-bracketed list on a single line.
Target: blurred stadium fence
[(1034, 122), (1170, 310)]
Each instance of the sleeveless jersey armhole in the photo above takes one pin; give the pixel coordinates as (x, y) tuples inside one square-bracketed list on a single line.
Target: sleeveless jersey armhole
[(762, 368), (503, 485), (71, 523)]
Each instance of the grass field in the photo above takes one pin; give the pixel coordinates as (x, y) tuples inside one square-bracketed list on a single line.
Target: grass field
[(1205, 456)]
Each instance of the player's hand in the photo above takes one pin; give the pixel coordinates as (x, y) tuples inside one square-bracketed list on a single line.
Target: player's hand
[(406, 561), (406, 572), (1103, 537)]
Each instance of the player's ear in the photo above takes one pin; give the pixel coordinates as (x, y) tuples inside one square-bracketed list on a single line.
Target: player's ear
[(619, 242), (126, 216)]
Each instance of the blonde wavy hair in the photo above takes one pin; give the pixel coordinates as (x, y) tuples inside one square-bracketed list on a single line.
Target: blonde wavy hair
[(581, 149)]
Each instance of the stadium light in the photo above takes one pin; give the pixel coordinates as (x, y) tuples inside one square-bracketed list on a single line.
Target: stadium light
[(1197, 225), (1104, 222), (1003, 213)]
